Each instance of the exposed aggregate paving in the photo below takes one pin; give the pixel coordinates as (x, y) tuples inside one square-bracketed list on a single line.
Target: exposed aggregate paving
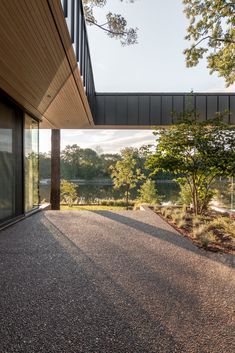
[(108, 282)]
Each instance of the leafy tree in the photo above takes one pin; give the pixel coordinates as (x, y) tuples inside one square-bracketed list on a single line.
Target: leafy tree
[(71, 156), (114, 25), (199, 151), (107, 160), (44, 165), (212, 33), (89, 164), (68, 192), (148, 193), (125, 173)]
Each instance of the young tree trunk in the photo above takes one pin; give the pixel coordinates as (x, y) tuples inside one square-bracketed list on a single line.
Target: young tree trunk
[(127, 198), (195, 199), (55, 169)]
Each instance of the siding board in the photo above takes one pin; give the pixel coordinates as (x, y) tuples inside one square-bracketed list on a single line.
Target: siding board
[(110, 109), (133, 110), (232, 109), (144, 110), (224, 105), (121, 106), (155, 110), (178, 106), (201, 107), (167, 110), (212, 107)]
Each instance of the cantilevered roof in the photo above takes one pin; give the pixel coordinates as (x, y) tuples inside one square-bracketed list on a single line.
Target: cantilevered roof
[(38, 66)]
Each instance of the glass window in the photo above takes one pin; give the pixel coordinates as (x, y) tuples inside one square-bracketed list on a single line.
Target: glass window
[(31, 163), (7, 165)]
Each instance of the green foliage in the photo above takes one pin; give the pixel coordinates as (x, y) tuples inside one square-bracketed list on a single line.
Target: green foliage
[(117, 203), (207, 229), (212, 33), (79, 163), (125, 172), (86, 163), (185, 194), (114, 25), (199, 152), (179, 216), (148, 193), (44, 165), (204, 192), (166, 211), (68, 192)]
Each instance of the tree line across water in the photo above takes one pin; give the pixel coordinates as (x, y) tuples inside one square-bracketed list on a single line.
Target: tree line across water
[(192, 151), (88, 163)]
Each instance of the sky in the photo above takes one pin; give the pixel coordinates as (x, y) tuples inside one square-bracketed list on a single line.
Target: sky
[(155, 64)]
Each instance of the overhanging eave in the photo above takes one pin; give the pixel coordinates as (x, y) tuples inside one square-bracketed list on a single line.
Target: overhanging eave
[(38, 68)]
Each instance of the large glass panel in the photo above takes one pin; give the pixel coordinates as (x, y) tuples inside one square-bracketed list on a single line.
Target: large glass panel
[(31, 164), (7, 165)]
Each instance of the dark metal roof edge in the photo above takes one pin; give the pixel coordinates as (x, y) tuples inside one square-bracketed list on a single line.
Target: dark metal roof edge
[(164, 93)]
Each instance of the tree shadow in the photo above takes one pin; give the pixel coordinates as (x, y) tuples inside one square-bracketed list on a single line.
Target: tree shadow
[(55, 298), (166, 235)]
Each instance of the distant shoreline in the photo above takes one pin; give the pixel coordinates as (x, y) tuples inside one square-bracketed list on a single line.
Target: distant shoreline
[(99, 181)]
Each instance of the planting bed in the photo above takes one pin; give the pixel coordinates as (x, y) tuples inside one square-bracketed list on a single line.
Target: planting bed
[(213, 231)]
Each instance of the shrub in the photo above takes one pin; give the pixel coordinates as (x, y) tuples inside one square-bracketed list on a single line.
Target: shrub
[(68, 193), (119, 203), (205, 196), (148, 193), (207, 238), (166, 211), (181, 223), (200, 230)]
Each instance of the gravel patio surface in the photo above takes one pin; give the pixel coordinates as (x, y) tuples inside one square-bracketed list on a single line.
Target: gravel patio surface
[(111, 282)]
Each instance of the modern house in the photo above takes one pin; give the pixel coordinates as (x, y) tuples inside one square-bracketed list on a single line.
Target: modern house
[(46, 81)]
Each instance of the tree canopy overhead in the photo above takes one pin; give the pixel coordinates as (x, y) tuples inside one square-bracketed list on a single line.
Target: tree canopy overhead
[(211, 32), (114, 25)]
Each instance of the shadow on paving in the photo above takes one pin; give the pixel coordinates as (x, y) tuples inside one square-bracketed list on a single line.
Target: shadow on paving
[(54, 298), (173, 238)]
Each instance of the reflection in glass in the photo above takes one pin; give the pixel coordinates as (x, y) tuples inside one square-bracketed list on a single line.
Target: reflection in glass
[(31, 164), (7, 165)]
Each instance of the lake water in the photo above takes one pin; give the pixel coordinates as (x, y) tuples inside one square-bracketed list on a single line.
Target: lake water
[(169, 191)]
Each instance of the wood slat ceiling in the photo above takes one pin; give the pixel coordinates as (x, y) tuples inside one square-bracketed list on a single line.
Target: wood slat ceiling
[(38, 67)]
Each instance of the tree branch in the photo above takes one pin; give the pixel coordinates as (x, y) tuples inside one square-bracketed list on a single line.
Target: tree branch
[(106, 29), (216, 39)]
